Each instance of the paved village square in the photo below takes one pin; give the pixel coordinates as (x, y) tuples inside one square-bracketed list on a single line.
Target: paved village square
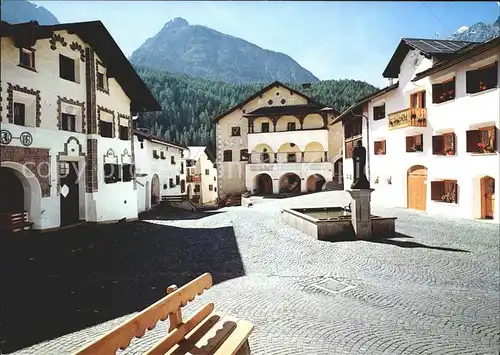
[(235, 208)]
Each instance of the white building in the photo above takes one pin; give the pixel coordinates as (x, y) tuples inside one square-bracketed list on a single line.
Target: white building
[(160, 169), (425, 134), (201, 177), (67, 93), (277, 140)]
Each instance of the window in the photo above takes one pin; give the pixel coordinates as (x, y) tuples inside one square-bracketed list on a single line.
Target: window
[(215, 178), (155, 154), (349, 146), (482, 79), (228, 155), (210, 187), (207, 172), (19, 114), (171, 182), (123, 133), (379, 112), (379, 147), (444, 144), (444, 191), (111, 173), (415, 143), (197, 188), (177, 179), (482, 140), (106, 129), (235, 131), (291, 158), (264, 127), (68, 122), (127, 172), (66, 68), (290, 126), (444, 91), (182, 167), (353, 128), (244, 155), (27, 58), (100, 80), (162, 155), (142, 145), (172, 160), (215, 189), (417, 100)]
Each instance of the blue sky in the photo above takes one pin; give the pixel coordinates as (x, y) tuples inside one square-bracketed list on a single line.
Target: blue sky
[(333, 40)]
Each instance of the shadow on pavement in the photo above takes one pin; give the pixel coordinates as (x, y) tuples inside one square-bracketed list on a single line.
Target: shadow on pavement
[(61, 282)]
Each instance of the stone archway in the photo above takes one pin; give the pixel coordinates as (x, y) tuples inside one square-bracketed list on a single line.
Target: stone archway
[(32, 192), (315, 183), (155, 190), (289, 183), (263, 184), (487, 197), (417, 187)]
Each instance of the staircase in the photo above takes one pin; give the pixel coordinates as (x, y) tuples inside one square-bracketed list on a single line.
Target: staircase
[(179, 201)]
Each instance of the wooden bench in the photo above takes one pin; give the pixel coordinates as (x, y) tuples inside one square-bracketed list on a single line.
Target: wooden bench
[(15, 222), (205, 333)]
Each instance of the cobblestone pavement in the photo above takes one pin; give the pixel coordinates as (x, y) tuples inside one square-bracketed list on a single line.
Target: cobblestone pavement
[(433, 290)]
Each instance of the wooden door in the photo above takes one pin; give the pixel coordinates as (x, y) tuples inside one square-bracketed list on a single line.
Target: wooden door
[(70, 200), (417, 191), (487, 197)]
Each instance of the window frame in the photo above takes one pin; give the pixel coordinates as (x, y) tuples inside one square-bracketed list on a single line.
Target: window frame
[(115, 177), (265, 124), (291, 157), (379, 147), (31, 55), (236, 131), (412, 143), (227, 155), (108, 125), (65, 122), (420, 99), (476, 136), (447, 93), (123, 133), (441, 145), (22, 116), (379, 112), (291, 124), (127, 172), (469, 75), (62, 68), (445, 191), (243, 154)]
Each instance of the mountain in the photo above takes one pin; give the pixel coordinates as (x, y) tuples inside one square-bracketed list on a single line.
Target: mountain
[(479, 32), (202, 52), (190, 104), (16, 11)]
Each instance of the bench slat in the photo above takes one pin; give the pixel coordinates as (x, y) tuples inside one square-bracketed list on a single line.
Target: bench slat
[(236, 339), (176, 335), (122, 335)]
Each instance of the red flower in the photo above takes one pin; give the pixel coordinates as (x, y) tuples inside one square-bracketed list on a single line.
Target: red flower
[(481, 145), (483, 87)]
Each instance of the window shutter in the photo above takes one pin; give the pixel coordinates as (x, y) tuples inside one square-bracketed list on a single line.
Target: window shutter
[(437, 145), (472, 140), (490, 76), (437, 190), (472, 81), (409, 143), (436, 92)]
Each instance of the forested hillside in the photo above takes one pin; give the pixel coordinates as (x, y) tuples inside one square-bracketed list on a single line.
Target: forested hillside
[(190, 104)]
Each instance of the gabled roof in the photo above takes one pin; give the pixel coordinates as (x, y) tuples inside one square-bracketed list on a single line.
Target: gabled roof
[(151, 137), (304, 109), (97, 36), (364, 100), (459, 56), (428, 47), (260, 92)]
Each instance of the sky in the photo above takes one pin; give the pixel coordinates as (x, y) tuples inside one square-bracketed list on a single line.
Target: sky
[(333, 40)]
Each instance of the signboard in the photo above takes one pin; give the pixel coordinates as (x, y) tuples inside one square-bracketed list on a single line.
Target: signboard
[(25, 138)]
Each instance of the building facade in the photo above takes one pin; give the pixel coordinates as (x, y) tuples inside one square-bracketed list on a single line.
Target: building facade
[(201, 177), (160, 169), (67, 93), (277, 140), (431, 137)]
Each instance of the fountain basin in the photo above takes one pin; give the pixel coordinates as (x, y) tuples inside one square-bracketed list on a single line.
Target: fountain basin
[(334, 223)]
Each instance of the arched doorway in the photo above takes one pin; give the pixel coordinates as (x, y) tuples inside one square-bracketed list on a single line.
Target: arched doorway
[(263, 184), (155, 190), (289, 183), (487, 197), (416, 187), (315, 183), (12, 192)]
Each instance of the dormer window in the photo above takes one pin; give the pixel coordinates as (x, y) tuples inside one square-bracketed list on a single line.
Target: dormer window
[(27, 58)]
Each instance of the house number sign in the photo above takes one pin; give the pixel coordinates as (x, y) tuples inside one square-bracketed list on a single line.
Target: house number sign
[(25, 138)]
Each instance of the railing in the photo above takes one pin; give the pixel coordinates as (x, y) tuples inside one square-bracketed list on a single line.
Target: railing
[(410, 117), (288, 157), (193, 178)]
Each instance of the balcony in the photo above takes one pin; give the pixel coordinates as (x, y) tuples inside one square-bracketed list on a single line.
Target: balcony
[(194, 178), (410, 117), (299, 137), (290, 167)]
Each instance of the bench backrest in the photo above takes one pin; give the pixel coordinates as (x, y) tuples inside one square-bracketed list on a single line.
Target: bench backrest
[(169, 306)]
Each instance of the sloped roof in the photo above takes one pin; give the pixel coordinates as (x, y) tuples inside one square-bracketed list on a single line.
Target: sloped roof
[(428, 47), (97, 36), (150, 137), (195, 152), (364, 100), (287, 110), (460, 56), (260, 92)]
